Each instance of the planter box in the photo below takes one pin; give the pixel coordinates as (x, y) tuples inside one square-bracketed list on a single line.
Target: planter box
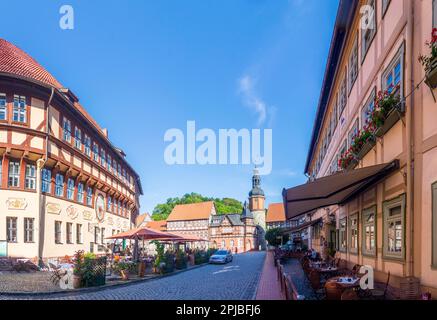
[(366, 148), (431, 76), (392, 117), (352, 165)]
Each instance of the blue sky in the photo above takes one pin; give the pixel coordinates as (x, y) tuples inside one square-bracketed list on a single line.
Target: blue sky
[(142, 67)]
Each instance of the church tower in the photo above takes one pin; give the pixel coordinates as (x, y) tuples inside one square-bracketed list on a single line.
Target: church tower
[(256, 207)]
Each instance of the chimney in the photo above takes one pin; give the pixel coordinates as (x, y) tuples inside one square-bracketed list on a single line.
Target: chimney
[(105, 132)]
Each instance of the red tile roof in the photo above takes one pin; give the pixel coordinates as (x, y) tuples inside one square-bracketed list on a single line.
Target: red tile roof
[(193, 211), (157, 225), (140, 219), (15, 61), (275, 212)]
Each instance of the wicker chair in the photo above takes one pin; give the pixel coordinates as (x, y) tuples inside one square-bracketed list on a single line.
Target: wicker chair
[(409, 288), (349, 294), (380, 294), (333, 291)]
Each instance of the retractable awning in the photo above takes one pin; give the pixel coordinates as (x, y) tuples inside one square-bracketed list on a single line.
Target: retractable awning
[(335, 189)]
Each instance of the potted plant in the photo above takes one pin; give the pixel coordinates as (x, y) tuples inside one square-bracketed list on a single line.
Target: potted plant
[(181, 260), (123, 268), (429, 62), (77, 268)]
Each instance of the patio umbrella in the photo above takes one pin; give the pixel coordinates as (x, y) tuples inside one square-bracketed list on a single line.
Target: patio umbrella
[(143, 233)]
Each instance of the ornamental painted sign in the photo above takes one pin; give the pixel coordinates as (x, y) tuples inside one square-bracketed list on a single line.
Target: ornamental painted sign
[(53, 208), (72, 212), (16, 203), (100, 207), (110, 221), (87, 215)]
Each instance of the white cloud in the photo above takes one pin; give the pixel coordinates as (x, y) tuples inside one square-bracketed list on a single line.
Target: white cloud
[(253, 101)]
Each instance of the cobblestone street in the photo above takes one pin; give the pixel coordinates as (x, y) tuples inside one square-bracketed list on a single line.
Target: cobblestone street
[(237, 280)]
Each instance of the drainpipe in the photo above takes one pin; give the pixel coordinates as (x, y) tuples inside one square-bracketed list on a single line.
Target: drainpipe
[(410, 141), (41, 198)]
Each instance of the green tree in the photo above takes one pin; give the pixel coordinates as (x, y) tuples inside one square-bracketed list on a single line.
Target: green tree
[(223, 206), (274, 237)]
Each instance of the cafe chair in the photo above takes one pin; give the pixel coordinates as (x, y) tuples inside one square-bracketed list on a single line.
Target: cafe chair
[(316, 284), (380, 294), (332, 291), (349, 294)]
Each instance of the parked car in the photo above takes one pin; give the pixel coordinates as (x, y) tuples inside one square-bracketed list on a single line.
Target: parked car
[(221, 256)]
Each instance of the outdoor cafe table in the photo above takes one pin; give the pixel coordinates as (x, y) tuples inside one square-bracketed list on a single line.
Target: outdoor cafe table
[(344, 284)]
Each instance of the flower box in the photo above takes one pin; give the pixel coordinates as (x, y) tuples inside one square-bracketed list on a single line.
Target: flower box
[(352, 164), (366, 148), (393, 116), (431, 75)]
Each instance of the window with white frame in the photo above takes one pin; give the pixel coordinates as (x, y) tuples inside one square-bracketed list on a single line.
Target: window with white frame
[(394, 228), (353, 132), (87, 145), (11, 229), (80, 192), (29, 230), (69, 232), (70, 188), (342, 235), (353, 233), (78, 233), (393, 75), (343, 93), (58, 232), (368, 231), (108, 161), (89, 196), (368, 33), (77, 138), (30, 176), (103, 158), (66, 130), (353, 65), (59, 185), (102, 236), (14, 174), (109, 204), (96, 152), (3, 107), (19, 112), (46, 177), (366, 112), (96, 234)]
